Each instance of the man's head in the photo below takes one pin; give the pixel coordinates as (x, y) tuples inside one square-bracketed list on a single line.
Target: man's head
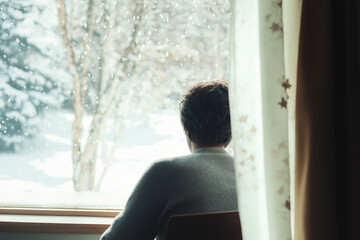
[(205, 114)]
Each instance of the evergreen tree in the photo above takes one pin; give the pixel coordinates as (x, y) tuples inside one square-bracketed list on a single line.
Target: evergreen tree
[(31, 78)]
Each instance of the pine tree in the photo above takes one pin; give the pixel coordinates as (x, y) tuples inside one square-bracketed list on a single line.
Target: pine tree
[(30, 79)]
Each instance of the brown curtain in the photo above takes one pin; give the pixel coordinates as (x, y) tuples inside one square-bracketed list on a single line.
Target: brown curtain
[(327, 164)]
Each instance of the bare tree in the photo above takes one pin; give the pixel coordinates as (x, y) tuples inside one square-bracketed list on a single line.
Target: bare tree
[(96, 47), (112, 61)]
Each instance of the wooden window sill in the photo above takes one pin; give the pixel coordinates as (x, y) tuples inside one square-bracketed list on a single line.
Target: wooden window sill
[(55, 220)]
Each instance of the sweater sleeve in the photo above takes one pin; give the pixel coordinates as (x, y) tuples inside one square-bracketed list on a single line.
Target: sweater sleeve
[(141, 216)]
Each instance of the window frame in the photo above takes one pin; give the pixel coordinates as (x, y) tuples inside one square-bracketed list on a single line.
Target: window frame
[(51, 220)]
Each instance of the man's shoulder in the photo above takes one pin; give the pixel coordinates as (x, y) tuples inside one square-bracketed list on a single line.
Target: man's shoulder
[(187, 162), (170, 163), (165, 169)]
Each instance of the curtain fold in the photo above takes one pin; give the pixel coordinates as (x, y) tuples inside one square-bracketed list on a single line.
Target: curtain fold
[(327, 122), (291, 22), (262, 102)]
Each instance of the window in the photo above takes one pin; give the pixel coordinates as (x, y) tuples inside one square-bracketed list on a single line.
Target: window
[(89, 93)]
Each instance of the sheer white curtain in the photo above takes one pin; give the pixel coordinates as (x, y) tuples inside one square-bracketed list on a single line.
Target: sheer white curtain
[(264, 46)]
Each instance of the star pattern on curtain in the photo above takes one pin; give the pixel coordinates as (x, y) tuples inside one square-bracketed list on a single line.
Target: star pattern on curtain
[(283, 103)]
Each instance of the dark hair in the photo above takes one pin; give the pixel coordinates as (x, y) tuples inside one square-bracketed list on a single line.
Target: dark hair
[(205, 114)]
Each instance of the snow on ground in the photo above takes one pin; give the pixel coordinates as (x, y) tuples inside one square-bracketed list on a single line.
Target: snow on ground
[(40, 174)]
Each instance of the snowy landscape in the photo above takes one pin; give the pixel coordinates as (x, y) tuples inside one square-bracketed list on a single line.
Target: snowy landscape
[(43, 170), (90, 90)]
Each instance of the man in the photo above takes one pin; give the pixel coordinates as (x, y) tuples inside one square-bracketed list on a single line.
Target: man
[(201, 182)]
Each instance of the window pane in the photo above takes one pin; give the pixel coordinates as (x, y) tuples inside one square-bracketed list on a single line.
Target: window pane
[(89, 93)]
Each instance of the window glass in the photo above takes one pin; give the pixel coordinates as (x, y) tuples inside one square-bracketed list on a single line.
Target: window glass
[(89, 93)]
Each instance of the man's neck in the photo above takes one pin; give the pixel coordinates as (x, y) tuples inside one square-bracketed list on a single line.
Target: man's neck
[(194, 146)]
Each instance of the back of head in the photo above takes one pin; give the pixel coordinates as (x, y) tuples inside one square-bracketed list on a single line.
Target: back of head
[(205, 114)]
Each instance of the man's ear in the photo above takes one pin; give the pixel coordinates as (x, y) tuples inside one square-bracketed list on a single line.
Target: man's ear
[(186, 132), (187, 135)]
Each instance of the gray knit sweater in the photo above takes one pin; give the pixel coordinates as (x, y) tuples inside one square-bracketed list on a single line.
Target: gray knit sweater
[(203, 181)]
